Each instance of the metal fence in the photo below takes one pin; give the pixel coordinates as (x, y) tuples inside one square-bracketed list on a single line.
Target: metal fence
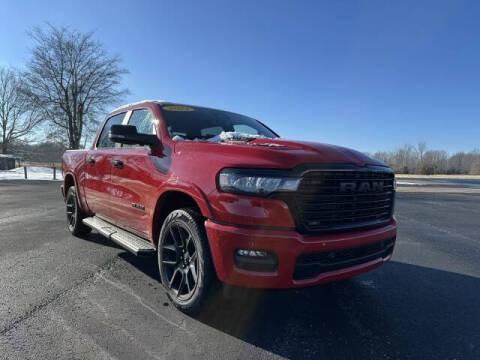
[(55, 166)]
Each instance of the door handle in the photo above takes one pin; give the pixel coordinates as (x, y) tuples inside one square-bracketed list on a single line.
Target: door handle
[(117, 163), (91, 161)]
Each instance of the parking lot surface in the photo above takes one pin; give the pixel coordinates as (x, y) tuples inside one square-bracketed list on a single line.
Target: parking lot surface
[(63, 297)]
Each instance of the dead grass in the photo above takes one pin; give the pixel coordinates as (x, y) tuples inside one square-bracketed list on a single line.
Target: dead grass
[(412, 176), (431, 189)]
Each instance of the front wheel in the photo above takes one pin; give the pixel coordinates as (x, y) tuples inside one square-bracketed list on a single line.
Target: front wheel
[(75, 214), (184, 260)]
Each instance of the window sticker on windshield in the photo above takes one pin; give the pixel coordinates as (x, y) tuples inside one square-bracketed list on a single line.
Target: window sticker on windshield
[(178, 108)]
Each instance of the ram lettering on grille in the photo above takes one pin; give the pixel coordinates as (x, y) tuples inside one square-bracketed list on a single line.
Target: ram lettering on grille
[(362, 187)]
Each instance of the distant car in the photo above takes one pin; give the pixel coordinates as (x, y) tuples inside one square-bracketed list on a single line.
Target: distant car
[(219, 196)]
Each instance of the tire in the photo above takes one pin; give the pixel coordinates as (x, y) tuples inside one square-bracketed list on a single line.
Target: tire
[(184, 260), (75, 214)]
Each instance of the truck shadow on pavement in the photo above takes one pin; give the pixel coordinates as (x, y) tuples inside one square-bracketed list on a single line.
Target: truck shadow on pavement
[(398, 311), (96, 238)]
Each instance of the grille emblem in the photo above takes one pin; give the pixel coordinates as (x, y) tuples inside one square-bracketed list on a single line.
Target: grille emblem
[(362, 187)]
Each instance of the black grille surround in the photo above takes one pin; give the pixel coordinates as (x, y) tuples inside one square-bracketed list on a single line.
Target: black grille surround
[(342, 199), (310, 265)]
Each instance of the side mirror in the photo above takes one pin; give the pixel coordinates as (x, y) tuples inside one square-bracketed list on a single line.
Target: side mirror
[(127, 134)]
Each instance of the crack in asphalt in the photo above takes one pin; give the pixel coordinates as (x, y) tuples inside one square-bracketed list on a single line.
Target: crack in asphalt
[(21, 215), (127, 290), (92, 277), (36, 308)]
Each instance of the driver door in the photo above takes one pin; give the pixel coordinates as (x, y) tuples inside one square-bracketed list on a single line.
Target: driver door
[(135, 179)]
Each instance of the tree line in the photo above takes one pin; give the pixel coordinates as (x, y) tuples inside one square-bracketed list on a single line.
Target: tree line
[(44, 152), (410, 159)]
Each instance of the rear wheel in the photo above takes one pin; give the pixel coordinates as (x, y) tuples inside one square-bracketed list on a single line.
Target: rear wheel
[(184, 260), (75, 214)]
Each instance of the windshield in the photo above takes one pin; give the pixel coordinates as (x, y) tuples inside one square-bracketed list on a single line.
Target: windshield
[(191, 123)]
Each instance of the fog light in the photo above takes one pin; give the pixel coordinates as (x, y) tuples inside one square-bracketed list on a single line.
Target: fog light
[(252, 253), (255, 260)]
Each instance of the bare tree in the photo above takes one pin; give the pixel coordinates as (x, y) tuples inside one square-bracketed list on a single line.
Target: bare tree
[(421, 148), (72, 78), (475, 162), (17, 118), (404, 159), (435, 162)]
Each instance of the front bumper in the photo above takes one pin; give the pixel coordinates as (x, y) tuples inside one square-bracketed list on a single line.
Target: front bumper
[(288, 245)]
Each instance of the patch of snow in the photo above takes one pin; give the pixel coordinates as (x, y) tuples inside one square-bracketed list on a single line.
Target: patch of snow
[(178, 138), (33, 173), (10, 156), (407, 183), (234, 136)]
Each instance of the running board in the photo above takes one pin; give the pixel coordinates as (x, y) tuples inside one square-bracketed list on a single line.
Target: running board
[(129, 241)]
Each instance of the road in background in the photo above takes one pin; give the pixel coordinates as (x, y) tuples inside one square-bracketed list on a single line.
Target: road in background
[(70, 298), (440, 182)]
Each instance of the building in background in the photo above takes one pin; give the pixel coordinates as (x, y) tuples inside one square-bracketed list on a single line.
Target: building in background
[(7, 161)]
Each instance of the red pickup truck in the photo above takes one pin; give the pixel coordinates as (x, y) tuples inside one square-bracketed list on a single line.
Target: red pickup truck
[(219, 196)]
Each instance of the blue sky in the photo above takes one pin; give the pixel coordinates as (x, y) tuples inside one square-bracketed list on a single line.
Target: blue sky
[(364, 74)]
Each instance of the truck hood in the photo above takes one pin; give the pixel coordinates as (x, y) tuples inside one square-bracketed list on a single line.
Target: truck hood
[(274, 153), (333, 153)]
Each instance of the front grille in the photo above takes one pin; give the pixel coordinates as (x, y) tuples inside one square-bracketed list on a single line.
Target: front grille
[(343, 200), (311, 265)]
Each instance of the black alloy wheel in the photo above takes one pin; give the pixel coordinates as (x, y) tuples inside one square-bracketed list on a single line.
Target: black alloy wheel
[(74, 214), (184, 260), (71, 210), (180, 261)]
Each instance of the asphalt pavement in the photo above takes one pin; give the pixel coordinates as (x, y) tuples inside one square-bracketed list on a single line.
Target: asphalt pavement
[(63, 297)]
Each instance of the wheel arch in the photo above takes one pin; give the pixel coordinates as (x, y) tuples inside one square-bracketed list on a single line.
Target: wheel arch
[(69, 181), (171, 200)]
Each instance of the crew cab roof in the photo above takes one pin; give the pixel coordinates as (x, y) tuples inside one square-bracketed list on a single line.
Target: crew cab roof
[(129, 106), (126, 106)]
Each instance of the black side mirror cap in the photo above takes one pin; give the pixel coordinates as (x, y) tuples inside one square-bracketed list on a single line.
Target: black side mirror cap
[(127, 134)]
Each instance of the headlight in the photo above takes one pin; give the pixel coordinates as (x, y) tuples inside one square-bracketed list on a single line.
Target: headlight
[(256, 181)]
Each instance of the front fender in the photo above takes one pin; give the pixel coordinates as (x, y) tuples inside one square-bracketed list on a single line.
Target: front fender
[(191, 190)]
